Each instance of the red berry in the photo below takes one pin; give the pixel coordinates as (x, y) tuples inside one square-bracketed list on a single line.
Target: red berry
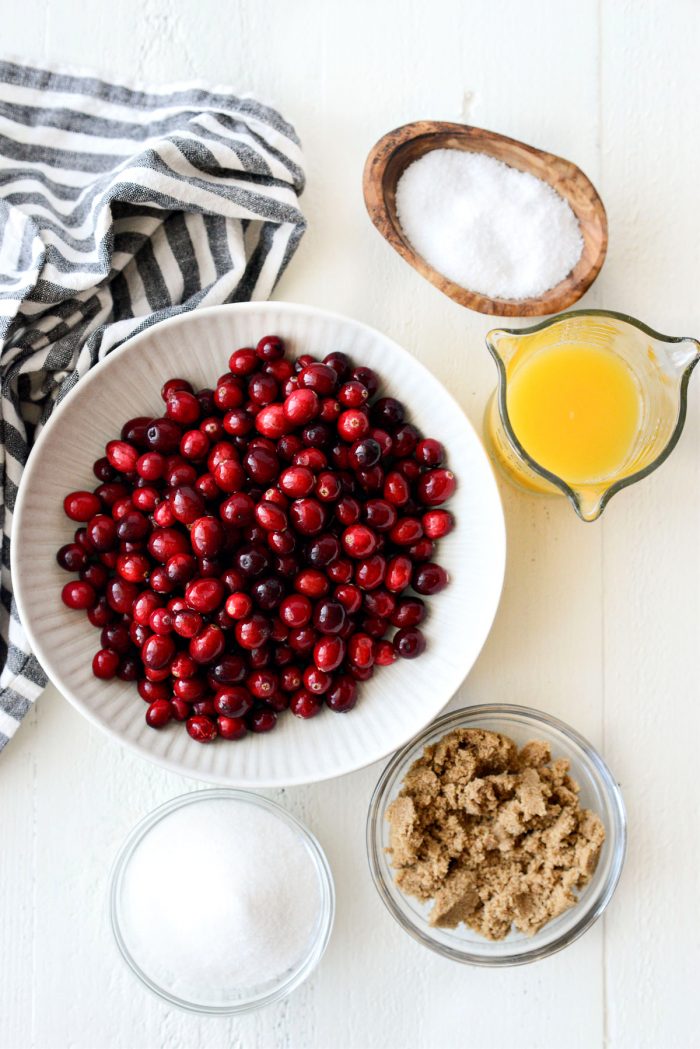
[(231, 728), (261, 720), (409, 642), (329, 653), (437, 523), (359, 541), (159, 713), (429, 578), (343, 696), (436, 487), (304, 704), (202, 729), (79, 595), (105, 663)]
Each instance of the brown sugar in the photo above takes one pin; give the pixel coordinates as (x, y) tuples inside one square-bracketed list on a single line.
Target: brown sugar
[(495, 837)]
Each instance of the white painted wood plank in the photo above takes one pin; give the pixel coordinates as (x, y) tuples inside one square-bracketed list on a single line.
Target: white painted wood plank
[(651, 152)]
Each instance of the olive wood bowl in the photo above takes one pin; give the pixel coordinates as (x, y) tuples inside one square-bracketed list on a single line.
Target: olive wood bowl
[(392, 154)]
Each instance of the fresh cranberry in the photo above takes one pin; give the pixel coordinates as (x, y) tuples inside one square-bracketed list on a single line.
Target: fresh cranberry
[(194, 446), (122, 456), (320, 378), (201, 728), (329, 653), (380, 515), (103, 469), (436, 487), (81, 506), (430, 452), (105, 663), (233, 701), (398, 574), (422, 550), (359, 541), (252, 631), (164, 543), (343, 696), (312, 458), (304, 704), (408, 612), (429, 579), (163, 435), (384, 654), (102, 532), (340, 570), (261, 464), (238, 509), (239, 605), (339, 362), (371, 572), (406, 531), (329, 617), (311, 582), (207, 645), (348, 510), (72, 557), (252, 560), (409, 642), (307, 516), (353, 394), (396, 489), (121, 595), (101, 613), (204, 595), (328, 487), (159, 713), (231, 728)]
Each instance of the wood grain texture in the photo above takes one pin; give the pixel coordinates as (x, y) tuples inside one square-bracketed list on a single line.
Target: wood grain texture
[(397, 149), (598, 623)]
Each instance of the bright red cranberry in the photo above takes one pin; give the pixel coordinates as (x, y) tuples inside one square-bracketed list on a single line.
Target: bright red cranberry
[(353, 425), (238, 509), (186, 504), (361, 650), (152, 690), (262, 390), (295, 610), (244, 361), (367, 377), (384, 654), (307, 516), (437, 523), (201, 728), (409, 642), (172, 385), (343, 695), (406, 531), (239, 605), (408, 612), (229, 395), (164, 543), (180, 474), (270, 348), (359, 541), (302, 639), (270, 516), (341, 570), (161, 621), (180, 709), (159, 713), (271, 421), (133, 567), (304, 704), (296, 481), (158, 651), (290, 679), (380, 603), (429, 578), (396, 489), (205, 595), (350, 597), (317, 681), (105, 663), (122, 456), (398, 574), (262, 683), (313, 458), (329, 653), (311, 582), (102, 532), (187, 623), (229, 476), (436, 487), (207, 645), (328, 487), (231, 728), (121, 595), (194, 446), (320, 378), (238, 422), (252, 631), (353, 394), (348, 510), (422, 550)]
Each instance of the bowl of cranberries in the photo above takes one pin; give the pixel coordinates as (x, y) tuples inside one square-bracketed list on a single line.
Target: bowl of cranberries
[(246, 522)]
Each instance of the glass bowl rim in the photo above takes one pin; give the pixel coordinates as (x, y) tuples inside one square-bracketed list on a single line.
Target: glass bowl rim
[(321, 866), (618, 832), (623, 482)]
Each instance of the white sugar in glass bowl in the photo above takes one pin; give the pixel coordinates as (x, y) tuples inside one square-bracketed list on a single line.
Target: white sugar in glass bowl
[(213, 927), (399, 700)]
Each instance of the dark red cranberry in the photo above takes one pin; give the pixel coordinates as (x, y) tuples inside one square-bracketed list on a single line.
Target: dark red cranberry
[(163, 435), (72, 557), (103, 470), (396, 489), (408, 612), (320, 378), (422, 550), (409, 642), (343, 695), (268, 593), (329, 617), (121, 595), (341, 570), (322, 550), (261, 464), (102, 532), (251, 561), (429, 579), (304, 704), (172, 385), (430, 452), (307, 516), (348, 510), (261, 720), (252, 631), (134, 430), (101, 614)]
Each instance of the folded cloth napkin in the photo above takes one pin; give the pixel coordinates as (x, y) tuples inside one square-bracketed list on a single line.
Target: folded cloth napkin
[(119, 206)]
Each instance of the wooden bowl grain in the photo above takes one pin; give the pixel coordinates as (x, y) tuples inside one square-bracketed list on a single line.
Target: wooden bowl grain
[(396, 150)]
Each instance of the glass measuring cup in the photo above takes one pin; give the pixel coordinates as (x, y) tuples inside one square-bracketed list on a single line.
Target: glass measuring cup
[(661, 366)]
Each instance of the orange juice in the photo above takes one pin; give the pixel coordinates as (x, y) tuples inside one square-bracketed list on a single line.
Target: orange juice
[(576, 410)]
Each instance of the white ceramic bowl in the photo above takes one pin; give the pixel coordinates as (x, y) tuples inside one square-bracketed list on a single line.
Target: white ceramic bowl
[(398, 701)]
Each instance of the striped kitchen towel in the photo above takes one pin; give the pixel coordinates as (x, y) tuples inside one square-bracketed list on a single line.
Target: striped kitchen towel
[(119, 206)]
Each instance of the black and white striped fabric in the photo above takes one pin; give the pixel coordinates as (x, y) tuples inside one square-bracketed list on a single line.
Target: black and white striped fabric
[(119, 206)]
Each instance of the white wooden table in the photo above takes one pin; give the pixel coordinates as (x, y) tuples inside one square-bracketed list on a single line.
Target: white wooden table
[(598, 623)]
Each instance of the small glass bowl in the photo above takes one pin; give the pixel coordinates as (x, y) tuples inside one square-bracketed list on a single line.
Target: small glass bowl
[(251, 998), (599, 792)]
